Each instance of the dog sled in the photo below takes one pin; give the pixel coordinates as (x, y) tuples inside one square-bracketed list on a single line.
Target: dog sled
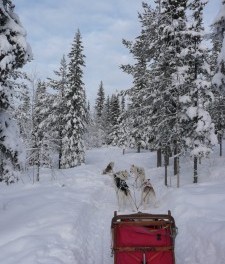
[(143, 238)]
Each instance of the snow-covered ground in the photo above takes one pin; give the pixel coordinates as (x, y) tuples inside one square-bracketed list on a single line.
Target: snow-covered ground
[(66, 217)]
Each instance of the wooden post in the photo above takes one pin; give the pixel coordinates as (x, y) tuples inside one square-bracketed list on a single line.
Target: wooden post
[(159, 157)]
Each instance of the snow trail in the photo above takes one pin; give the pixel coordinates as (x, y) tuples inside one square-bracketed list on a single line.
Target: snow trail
[(66, 219)]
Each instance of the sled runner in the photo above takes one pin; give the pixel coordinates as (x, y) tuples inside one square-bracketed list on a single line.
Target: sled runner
[(143, 238)]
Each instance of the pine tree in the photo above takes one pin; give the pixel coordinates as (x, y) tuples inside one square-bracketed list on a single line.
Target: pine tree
[(100, 101), (199, 134), (163, 35), (95, 136), (114, 120), (166, 81), (24, 118), (125, 137), (123, 104), (21, 104), (107, 121), (180, 75), (98, 123), (218, 80), (56, 120), (88, 112), (75, 119), (143, 51), (40, 154), (15, 52)]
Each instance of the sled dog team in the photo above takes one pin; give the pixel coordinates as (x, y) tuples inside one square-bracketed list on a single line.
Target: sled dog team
[(123, 191)]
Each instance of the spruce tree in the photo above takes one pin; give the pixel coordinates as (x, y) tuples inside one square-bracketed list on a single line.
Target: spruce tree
[(73, 153), (107, 121), (98, 123), (40, 154), (22, 107), (114, 121), (218, 80), (23, 115), (15, 52), (165, 80), (123, 104), (144, 51), (56, 121), (199, 133), (100, 101)]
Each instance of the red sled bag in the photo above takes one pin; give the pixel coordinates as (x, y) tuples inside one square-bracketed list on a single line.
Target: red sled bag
[(143, 238)]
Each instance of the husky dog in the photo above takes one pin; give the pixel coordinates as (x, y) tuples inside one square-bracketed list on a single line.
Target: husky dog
[(122, 189), (109, 168), (123, 174), (147, 193), (139, 174)]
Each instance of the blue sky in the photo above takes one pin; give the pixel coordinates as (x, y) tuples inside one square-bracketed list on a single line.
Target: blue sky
[(52, 24)]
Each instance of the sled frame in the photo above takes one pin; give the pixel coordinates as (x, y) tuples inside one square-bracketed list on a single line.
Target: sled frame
[(146, 220)]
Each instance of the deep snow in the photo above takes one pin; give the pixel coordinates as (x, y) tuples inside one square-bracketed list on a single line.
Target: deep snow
[(66, 217)]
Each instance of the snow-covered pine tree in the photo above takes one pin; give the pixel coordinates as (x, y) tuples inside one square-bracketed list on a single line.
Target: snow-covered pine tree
[(166, 85), (142, 50), (114, 118), (56, 121), (15, 52), (100, 101), (125, 138), (88, 112), (95, 136), (123, 104), (107, 121), (122, 136), (166, 64), (198, 132), (23, 115), (21, 103), (40, 152), (218, 80), (98, 125), (73, 153)]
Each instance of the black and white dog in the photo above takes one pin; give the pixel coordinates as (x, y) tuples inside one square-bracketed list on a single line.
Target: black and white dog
[(122, 189)]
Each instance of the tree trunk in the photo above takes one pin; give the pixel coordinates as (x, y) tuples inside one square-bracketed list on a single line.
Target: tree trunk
[(221, 145), (38, 167), (178, 173), (60, 148), (166, 158), (175, 163), (1, 166), (195, 170), (139, 148), (159, 157), (60, 157)]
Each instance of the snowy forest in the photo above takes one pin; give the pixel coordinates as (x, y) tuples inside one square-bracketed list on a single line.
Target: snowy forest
[(175, 106)]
